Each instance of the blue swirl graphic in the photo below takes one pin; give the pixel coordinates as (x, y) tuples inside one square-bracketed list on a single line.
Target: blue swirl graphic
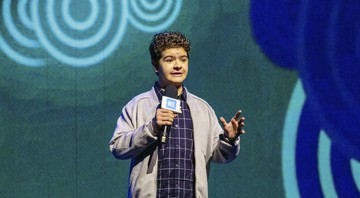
[(329, 70), (153, 14), (24, 18), (76, 25), (16, 45), (313, 165), (78, 42), (77, 33), (320, 40)]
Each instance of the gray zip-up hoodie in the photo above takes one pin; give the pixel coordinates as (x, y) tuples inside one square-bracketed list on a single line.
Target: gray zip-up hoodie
[(133, 139)]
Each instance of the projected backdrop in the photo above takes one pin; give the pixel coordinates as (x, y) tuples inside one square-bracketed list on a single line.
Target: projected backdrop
[(320, 41), (74, 37), (68, 67)]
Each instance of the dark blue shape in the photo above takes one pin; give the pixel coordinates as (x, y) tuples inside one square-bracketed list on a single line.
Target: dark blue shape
[(344, 181), (321, 40), (328, 48), (306, 154), (274, 28)]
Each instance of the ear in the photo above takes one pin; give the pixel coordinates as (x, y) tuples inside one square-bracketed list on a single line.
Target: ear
[(156, 69)]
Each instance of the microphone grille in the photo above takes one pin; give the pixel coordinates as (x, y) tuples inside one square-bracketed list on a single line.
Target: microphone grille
[(171, 91)]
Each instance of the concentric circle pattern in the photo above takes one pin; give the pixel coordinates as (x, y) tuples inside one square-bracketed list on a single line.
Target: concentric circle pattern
[(19, 42), (76, 33), (152, 17)]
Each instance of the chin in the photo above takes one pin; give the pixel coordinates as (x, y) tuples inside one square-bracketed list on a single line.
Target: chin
[(178, 81)]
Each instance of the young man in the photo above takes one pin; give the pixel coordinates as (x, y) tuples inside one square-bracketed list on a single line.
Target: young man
[(177, 165)]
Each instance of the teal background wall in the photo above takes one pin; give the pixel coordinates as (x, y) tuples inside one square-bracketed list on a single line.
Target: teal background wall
[(58, 108)]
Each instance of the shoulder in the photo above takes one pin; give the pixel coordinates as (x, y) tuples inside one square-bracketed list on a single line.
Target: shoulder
[(196, 100), (143, 95), (148, 96), (201, 110)]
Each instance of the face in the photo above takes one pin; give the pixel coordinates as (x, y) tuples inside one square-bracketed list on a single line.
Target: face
[(173, 67)]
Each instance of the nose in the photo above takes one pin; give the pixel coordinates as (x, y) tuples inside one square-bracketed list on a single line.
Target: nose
[(178, 64)]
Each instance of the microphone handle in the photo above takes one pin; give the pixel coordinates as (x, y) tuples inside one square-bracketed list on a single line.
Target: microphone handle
[(163, 138)]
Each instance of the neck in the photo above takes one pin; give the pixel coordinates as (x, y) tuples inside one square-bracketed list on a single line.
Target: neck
[(180, 89)]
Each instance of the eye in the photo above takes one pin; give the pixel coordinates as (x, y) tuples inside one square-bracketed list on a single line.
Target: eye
[(184, 59), (169, 60)]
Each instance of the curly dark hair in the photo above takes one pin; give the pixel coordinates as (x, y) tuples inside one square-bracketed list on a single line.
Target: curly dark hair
[(166, 40)]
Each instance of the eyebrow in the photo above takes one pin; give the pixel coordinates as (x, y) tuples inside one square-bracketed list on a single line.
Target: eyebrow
[(186, 56)]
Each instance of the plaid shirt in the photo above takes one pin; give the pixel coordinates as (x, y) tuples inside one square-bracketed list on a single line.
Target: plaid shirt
[(176, 176)]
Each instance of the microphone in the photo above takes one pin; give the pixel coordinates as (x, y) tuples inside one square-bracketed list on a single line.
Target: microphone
[(169, 101)]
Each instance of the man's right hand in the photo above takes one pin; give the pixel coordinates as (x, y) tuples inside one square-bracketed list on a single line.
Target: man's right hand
[(163, 117)]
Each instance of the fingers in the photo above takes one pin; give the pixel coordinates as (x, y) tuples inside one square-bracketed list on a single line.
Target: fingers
[(238, 122), (241, 124), (242, 132), (239, 118), (241, 121), (237, 115), (164, 117), (223, 121)]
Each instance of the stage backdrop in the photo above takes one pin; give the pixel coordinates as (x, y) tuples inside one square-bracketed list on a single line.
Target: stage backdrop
[(68, 67)]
